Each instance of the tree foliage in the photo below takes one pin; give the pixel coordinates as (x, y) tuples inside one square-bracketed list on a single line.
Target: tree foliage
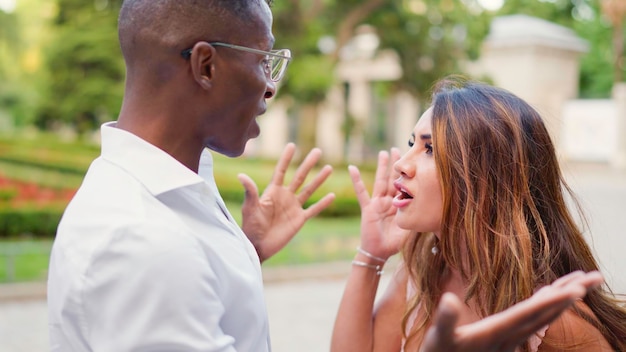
[(9, 52), (81, 81), (596, 74), (84, 64), (431, 37)]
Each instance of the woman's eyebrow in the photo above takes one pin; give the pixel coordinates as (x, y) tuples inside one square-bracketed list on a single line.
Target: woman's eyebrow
[(426, 136)]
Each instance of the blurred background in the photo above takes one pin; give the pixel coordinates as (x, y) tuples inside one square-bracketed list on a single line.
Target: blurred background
[(360, 78)]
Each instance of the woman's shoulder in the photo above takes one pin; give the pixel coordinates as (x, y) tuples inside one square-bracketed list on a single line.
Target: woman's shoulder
[(573, 333)]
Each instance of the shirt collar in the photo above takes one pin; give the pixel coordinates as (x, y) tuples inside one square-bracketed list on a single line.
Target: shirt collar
[(158, 171)]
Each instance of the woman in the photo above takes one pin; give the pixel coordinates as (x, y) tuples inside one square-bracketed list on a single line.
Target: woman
[(479, 206)]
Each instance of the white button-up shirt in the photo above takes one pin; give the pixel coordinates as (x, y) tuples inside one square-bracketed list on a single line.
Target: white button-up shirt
[(147, 258)]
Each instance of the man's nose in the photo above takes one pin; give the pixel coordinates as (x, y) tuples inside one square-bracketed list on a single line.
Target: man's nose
[(270, 89)]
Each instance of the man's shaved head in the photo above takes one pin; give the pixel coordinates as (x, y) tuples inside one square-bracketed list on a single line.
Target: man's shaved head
[(153, 27)]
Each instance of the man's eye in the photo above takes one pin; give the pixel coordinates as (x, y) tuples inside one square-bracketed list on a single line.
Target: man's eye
[(267, 63)]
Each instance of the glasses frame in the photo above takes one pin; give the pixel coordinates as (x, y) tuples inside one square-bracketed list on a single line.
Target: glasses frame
[(186, 54)]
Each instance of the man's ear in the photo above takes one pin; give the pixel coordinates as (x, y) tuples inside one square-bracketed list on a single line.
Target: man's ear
[(201, 60)]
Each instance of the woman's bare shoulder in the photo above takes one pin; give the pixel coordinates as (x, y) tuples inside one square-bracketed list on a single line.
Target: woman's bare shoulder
[(573, 333)]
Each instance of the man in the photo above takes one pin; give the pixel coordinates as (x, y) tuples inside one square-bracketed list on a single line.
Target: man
[(147, 257)]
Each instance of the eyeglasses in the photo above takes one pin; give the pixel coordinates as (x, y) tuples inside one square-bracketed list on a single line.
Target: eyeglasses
[(275, 64)]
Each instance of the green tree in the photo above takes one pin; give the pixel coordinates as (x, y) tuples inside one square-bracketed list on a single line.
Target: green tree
[(9, 76), (20, 58), (615, 11), (9, 42), (301, 25), (85, 70), (430, 37), (596, 72)]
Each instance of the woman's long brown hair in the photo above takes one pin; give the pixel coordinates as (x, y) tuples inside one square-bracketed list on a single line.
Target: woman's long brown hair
[(506, 225)]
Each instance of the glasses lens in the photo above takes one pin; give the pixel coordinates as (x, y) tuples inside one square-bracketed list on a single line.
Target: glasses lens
[(279, 64)]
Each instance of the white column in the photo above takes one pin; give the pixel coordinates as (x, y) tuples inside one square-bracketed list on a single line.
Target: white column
[(329, 135), (407, 111), (274, 132), (619, 95), (359, 101)]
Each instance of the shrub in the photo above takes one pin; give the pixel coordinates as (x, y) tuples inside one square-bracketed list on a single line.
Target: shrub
[(345, 203), (7, 194), (15, 223)]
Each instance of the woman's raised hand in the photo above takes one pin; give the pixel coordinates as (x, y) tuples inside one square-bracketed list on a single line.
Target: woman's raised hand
[(380, 235)]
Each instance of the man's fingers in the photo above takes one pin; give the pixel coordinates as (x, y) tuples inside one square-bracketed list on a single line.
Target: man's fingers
[(588, 280), (318, 206), (591, 280), (564, 280), (319, 179), (251, 190), (441, 334), (447, 315), (303, 170), (516, 324), (283, 163)]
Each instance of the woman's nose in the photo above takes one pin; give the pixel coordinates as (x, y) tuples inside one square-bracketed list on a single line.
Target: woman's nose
[(404, 166)]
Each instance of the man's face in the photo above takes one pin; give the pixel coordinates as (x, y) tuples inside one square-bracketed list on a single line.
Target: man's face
[(241, 87)]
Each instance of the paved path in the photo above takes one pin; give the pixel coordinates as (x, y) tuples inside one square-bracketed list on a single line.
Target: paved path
[(301, 318), (302, 311), (602, 194)]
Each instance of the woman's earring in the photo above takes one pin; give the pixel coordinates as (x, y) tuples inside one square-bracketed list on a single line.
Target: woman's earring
[(434, 250)]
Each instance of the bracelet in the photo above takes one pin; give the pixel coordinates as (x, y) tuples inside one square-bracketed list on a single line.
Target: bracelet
[(370, 255), (378, 268)]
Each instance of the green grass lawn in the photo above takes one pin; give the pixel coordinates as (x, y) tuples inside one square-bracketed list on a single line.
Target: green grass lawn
[(320, 240), (25, 260)]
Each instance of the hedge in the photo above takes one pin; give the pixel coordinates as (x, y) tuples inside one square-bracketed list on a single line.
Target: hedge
[(19, 223), (345, 203)]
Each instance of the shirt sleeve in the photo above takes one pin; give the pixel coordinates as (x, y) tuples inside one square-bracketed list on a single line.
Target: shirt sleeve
[(153, 293)]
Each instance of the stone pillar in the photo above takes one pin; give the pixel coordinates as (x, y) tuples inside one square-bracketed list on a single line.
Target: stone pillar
[(359, 101), (536, 60), (406, 114), (274, 132), (359, 73), (329, 129), (619, 96)]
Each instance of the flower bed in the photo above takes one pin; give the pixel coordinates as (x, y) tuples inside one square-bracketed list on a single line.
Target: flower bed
[(30, 210), (16, 194)]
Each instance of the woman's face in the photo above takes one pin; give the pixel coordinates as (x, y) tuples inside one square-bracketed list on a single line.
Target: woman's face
[(419, 202)]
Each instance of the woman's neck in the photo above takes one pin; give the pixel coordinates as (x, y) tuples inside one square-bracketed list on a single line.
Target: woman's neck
[(454, 284)]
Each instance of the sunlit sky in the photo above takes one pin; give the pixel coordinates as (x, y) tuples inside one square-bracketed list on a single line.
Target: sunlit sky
[(7, 5), (491, 5)]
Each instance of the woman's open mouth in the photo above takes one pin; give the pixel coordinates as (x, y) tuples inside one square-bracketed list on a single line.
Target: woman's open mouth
[(403, 197)]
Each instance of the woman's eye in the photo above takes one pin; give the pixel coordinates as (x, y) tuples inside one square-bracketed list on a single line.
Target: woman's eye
[(411, 142), (429, 148)]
